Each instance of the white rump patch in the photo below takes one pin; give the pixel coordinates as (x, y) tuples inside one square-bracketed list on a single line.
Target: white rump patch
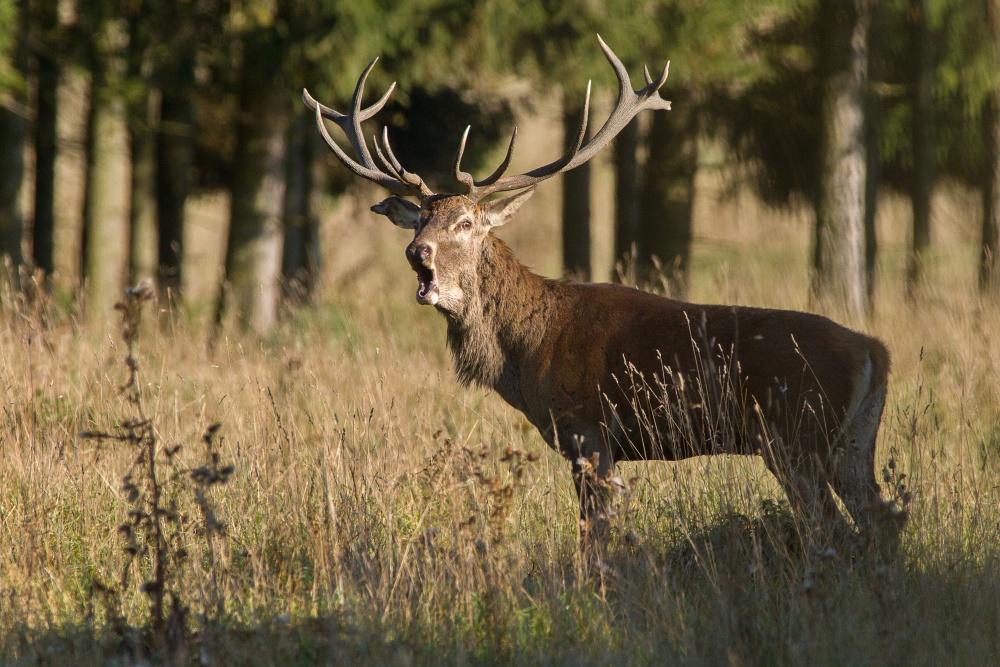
[(862, 385)]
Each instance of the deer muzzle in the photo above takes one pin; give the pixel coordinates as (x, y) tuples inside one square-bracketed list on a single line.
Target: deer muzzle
[(421, 258)]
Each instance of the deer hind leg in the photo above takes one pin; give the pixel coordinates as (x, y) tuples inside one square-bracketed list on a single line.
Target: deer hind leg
[(854, 477), (806, 483), (805, 479)]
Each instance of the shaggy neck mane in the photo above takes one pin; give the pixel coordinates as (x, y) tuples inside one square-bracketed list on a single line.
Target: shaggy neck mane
[(507, 311)]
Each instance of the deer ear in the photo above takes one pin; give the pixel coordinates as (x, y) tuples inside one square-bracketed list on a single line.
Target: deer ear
[(403, 213), (498, 212)]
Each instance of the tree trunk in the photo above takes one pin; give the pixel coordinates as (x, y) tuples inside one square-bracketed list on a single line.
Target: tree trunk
[(871, 195), (13, 129), (300, 260), (922, 179), (873, 121), (839, 275), (668, 197), (174, 164), (105, 210), (989, 249), (143, 248), (253, 251), (575, 201), (626, 162), (46, 96), (142, 112)]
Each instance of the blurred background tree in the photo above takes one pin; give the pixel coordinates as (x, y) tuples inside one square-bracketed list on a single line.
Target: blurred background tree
[(46, 34), (708, 46), (555, 41), (815, 101), (925, 100), (13, 123)]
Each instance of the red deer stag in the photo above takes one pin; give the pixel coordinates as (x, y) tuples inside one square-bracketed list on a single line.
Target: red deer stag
[(607, 373)]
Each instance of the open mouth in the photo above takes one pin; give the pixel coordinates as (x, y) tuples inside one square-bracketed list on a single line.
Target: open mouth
[(427, 287)]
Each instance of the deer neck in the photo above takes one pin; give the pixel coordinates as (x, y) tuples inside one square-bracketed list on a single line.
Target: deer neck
[(507, 311)]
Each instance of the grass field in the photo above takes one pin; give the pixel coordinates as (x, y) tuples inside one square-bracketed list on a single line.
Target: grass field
[(379, 513)]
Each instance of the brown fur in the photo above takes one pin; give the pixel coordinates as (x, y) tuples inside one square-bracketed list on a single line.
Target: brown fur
[(552, 349)]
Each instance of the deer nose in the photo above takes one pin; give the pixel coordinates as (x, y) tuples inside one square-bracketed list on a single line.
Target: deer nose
[(420, 253)]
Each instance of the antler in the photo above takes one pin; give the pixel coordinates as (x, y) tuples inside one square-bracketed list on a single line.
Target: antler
[(630, 103), (392, 176)]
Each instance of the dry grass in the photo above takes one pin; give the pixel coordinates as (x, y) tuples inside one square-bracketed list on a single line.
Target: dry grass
[(381, 513)]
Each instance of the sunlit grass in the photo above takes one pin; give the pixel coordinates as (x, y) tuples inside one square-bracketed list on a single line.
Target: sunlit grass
[(358, 529)]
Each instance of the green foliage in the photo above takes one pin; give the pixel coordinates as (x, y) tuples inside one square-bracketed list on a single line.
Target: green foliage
[(965, 75), (707, 42), (553, 41), (773, 124), (10, 78)]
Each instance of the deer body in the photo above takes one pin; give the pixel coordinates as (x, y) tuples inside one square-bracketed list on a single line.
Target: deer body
[(560, 353), (567, 355), (607, 373)]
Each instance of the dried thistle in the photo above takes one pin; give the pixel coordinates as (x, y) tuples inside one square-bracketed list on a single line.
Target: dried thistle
[(154, 528)]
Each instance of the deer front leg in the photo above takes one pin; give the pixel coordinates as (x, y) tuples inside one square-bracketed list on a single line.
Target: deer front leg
[(593, 468)]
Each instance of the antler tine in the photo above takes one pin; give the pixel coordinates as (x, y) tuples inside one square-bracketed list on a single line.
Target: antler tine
[(388, 151), (630, 103), (463, 177), (552, 168), (494, 182), (356, 136), (473, 186), (408, 177), (584, 119), (555, 167), (364, 171), (388, 166), (502, 168), (624, 82), (390, 175), (337, 117), (653, 87)]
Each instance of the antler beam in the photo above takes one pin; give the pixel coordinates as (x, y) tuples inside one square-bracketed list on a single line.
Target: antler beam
[(390, 174), (630, 103)]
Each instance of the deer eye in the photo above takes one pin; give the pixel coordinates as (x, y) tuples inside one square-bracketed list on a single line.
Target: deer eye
[(465, 225)]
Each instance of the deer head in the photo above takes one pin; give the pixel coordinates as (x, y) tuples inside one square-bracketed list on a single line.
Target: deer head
[(450, 229)]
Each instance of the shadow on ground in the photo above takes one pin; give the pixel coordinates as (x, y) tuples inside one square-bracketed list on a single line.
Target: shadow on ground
[(739, 590)]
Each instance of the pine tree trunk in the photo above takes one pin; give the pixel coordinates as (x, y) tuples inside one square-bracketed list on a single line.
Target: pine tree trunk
[(989, 249), (668, 198), (143, 249), (13, 129), (627, 179), (871, 197), (300, 254), (873, 121), (575, 201), (105, 211), (174, 164), (143, 111), (839, 275), (253, 251), (922, 183), (47, 89)]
